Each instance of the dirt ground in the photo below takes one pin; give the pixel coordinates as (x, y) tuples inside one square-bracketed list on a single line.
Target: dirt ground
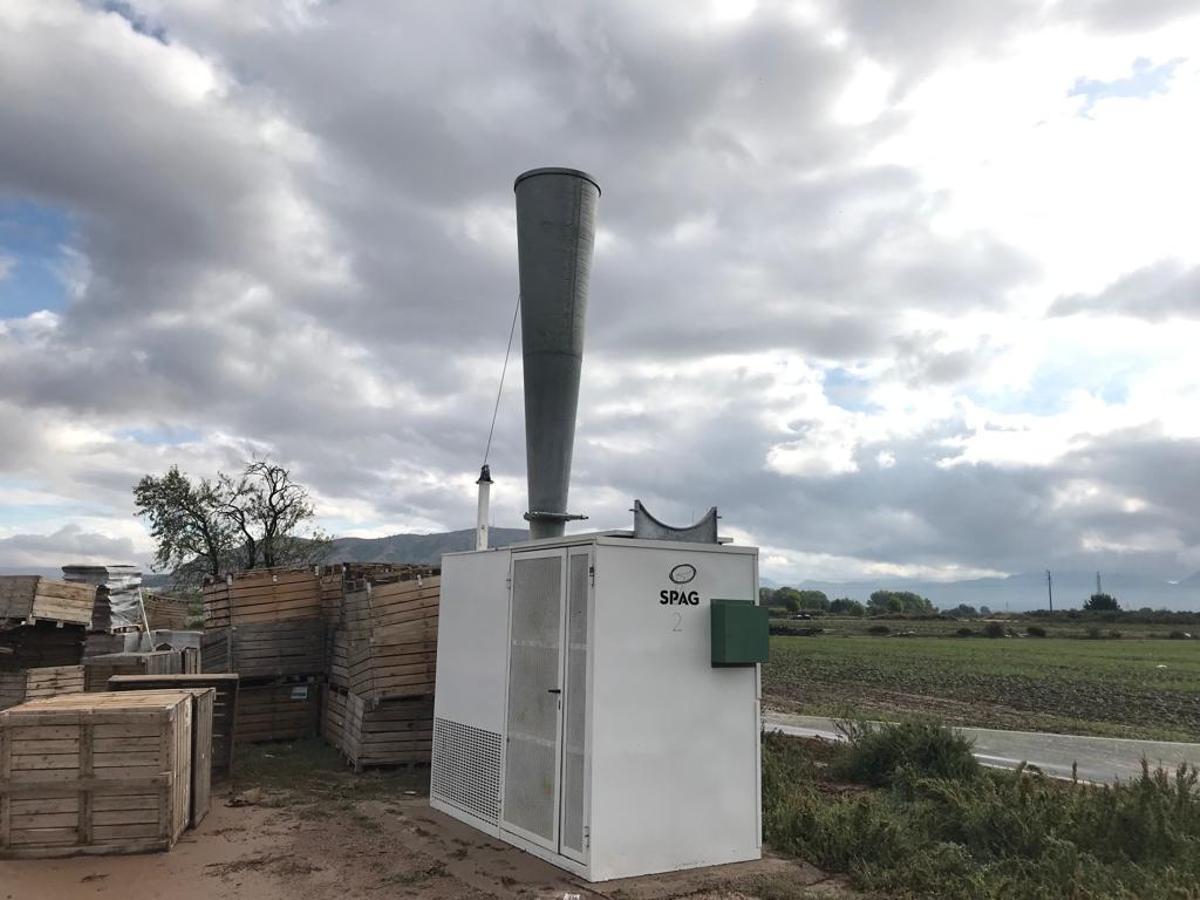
[(297, 827)]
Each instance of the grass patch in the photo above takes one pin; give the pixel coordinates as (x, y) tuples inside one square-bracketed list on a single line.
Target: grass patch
[(940, 828)]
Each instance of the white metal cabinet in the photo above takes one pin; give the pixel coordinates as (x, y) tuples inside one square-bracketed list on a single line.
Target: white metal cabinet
[(623, 751)]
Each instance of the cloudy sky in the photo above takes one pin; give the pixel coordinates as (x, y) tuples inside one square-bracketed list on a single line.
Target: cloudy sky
[(903, 288)]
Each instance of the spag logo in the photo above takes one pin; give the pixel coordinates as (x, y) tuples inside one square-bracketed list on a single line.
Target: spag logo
[(684, 573)]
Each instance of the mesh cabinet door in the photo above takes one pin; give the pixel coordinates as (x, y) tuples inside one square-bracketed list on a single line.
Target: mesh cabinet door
[(575, 707), (531, 760)]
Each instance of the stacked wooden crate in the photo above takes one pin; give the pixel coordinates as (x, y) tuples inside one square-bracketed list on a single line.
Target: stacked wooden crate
[(34, 684), (43, 623), (225, 704), (267, 626), (101, 773), (379, 701), (98, 669)]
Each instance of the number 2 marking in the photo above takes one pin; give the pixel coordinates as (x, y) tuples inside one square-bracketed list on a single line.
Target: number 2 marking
[(678, 622)]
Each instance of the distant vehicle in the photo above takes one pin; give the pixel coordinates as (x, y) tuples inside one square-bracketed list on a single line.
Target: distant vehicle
[(802, 616)]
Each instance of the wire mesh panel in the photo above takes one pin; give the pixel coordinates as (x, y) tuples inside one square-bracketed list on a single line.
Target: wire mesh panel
[(531, 755), (466, 768), (575, 699)]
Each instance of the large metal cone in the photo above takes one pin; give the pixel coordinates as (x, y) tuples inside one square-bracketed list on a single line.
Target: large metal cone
[(556, 212)]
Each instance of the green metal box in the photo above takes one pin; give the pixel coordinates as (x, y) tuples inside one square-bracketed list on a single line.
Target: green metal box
[(740, 633)]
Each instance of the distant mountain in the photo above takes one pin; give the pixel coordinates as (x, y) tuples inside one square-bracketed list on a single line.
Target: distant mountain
[(1027, 590), (44, 571), (417, 548)]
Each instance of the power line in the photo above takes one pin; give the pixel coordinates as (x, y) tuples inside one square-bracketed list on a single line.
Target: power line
[(500, 390)]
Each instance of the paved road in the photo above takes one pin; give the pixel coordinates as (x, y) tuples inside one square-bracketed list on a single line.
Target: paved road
[(1100, 759)]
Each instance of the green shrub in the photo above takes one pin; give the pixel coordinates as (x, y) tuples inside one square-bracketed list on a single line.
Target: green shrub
[(1035, 631), (880, 754), (994, 630), (987, 835), (1179, 635), (879, 629), (965, 632)]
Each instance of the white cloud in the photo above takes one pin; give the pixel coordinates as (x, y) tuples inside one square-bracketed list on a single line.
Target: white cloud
[(828, 238)]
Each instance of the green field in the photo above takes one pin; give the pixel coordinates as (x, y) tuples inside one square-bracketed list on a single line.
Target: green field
[(1124, 688)]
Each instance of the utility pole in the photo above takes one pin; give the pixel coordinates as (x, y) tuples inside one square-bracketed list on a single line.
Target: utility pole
[(1050, 589), (1099, 590)]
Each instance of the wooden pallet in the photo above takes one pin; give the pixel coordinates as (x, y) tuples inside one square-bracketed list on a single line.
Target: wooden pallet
[(32, 598), (34, 684), (378, 733), (41, 645), (271, 650), (95, 774), (225, 706), (262, 595), (98, 669), (281, 710)]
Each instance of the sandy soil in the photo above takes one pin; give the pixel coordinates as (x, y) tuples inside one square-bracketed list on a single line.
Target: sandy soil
[(292, 845)]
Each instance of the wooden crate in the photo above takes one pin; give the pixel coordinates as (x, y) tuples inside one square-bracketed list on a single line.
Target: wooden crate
[(189, 661), (225, 706), (98, 669), (101, 644), (278, 711), (333, 715), (41, 645), (390, 639), (400, 664), (169, 613), (262, 595), (201, 767), (338, 579), (378, 733), (331, 594), (339, 658), (95, 774), (31, 598), (34, 684), (270, 650)]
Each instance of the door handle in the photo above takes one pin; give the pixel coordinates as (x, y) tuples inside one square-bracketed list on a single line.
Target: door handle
[(554, 691)]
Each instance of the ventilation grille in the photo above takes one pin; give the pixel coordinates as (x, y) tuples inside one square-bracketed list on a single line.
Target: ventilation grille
[(466, 768)]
